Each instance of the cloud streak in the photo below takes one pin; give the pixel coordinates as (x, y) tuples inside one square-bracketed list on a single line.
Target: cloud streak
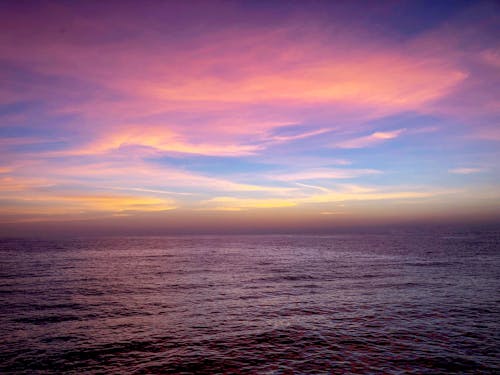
[(370, 140), (466, 170)]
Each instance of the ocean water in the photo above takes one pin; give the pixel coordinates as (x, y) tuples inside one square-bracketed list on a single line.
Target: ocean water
[(426, 303)]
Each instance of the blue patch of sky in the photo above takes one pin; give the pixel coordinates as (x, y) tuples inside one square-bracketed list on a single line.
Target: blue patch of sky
[(401, 166), (414, 158)]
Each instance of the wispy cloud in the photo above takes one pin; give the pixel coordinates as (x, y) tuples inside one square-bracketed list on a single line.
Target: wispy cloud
[(466, 170), (342, 193), (237, 204), (160, 139), (370, 140), (288, 138), (325, 174), (155, 191)]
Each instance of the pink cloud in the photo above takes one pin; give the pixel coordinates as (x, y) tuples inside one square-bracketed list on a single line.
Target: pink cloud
[(370, 140), (160, 140), (226, 73)]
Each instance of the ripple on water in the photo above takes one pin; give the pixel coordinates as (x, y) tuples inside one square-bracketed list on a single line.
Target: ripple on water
[(423, 304)]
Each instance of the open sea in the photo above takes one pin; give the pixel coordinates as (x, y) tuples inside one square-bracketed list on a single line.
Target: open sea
[(421, 303)]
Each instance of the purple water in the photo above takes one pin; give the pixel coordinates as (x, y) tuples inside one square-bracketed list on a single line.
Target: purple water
[(394, 304)]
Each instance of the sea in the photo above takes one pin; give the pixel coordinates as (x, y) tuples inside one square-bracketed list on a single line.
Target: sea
[(365, 303)]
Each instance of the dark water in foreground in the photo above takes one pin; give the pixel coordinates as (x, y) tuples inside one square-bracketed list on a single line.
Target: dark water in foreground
[(424, 304)]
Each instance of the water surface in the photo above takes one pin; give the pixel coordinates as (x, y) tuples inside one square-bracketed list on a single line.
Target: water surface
[(399, 303)]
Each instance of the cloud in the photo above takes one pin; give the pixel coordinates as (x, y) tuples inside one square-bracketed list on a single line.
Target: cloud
[(331, 213), (124, 173), (334, 196), (158, 138), (321, 174), (466, 170), (491, 56), (342, 193), (370, 140), (237, 204), (155, 191), (10, 183), (288, 138), (45, 204), (490, 132)]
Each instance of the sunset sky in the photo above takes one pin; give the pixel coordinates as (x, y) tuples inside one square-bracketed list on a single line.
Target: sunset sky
[(258, 115)]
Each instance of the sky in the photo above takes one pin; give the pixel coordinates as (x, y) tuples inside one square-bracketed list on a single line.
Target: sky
[(274, 116)]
